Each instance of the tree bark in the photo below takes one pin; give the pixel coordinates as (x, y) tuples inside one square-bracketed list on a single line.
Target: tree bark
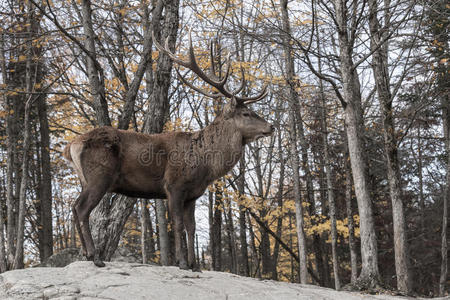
[(164, 242), (228, 215), (264, 244), (158, 106), (45, 184), (145, 220), (350, 221), (444, 244), (255, 261), (216, 238), (11, 146), (382, 81), (369, 276), (107, 222), (276, 247), (293, 98), (331, 198), (445, 100), (3, 258), (18, 257), (244, 267)]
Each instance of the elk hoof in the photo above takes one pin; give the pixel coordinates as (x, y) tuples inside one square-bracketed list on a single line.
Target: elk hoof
[(99, 263)]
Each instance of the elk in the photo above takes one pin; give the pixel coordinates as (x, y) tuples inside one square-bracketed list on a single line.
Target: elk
[(178, 166)]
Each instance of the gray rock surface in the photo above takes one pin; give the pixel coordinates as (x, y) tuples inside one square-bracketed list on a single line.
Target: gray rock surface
[(132, 281)]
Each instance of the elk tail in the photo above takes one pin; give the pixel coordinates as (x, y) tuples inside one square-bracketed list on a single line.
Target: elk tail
[(66, 153)]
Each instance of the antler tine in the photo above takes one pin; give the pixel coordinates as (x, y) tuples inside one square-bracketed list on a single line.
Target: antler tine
[(227, 73), (249, 100), (242, 84), (219, 85), (196, 88), (168, 52), (212, 68)]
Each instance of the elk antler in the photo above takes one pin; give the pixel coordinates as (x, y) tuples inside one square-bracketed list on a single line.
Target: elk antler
[(218, 83)]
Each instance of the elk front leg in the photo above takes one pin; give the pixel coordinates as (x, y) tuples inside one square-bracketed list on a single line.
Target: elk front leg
[(189, 223), (176, 203)]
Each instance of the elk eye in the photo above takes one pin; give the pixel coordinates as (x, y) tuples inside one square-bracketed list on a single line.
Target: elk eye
[(246, 114)]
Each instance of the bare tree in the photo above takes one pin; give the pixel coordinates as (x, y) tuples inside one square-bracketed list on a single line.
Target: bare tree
[(94, 69), (382, 80), (293, 99)]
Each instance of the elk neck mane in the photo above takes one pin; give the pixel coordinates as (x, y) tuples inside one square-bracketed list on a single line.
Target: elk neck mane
[(220, 144)]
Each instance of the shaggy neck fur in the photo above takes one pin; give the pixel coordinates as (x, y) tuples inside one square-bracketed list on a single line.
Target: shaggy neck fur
[(220, 144)]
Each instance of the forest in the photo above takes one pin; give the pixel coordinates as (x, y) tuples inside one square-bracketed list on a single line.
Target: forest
[(349, 192)]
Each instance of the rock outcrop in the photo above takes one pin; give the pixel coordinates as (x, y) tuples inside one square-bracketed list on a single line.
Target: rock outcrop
[(132, 281), (63, 258)]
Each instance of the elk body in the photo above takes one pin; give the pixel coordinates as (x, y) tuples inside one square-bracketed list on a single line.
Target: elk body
[(174, 165)]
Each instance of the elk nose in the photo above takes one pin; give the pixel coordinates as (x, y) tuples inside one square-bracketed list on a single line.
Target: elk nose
[(272, 128)]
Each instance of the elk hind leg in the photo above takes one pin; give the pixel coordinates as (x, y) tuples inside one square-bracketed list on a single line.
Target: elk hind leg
[(77, 221), (83, 210), (189, 223)]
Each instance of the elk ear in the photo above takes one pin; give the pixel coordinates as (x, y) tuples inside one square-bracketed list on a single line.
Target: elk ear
[(230, 108)]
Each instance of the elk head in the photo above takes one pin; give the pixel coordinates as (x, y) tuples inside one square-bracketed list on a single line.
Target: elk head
[(250, 125)]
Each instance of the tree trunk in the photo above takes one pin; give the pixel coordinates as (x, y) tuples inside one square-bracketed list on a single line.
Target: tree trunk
[(382, 81), (228, 215), (293, 145), (421, 184), (350, 221), (276, 247), (45, 185), (145, 220), (3, 265), (264, 244), (369, 251), (244, 267), (3, 258), (73, 237), (164, 241), (18, 257), (11, 146), (158, 106), (216, 238), (33, 75), (369, 276), (108, 220), (444, 243), (255, 261), (331, 199)]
